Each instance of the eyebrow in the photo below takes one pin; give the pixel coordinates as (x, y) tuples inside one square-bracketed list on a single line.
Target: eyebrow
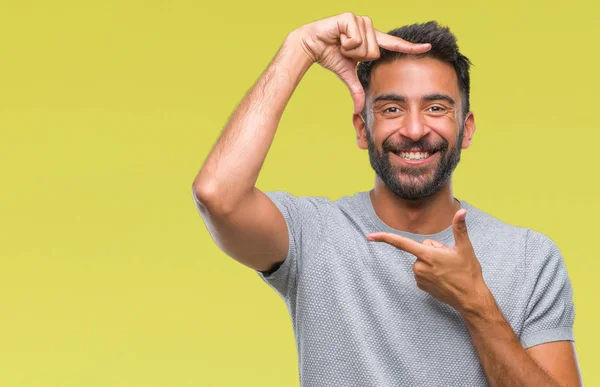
[(401, 98), (389, 97), (439, 97)]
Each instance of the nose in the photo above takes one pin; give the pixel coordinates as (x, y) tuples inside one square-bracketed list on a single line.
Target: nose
[(414, 126)]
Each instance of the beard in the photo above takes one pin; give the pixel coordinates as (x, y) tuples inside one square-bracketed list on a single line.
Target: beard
[(415, 182)]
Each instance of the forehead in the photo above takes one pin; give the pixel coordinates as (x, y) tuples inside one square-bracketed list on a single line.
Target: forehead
[(414, 78)]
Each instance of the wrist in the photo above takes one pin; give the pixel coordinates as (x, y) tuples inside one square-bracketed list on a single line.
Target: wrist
[(293, 53), (480, 305)]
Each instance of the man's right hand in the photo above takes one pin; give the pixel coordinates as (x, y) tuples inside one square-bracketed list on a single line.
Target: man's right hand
[(339, 42), (242, 220)]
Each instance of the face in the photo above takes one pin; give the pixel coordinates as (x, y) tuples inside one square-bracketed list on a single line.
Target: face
[(414, 130)]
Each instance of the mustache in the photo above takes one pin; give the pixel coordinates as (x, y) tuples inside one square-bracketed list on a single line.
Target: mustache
[(421, 145)]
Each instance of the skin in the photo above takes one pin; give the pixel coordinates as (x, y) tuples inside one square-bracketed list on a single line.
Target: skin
[(452, 275), (247, 226), (414, 79)]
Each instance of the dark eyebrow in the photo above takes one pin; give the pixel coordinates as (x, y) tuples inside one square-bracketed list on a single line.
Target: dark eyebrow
[(439, 97), (389, 97), (400, 98)]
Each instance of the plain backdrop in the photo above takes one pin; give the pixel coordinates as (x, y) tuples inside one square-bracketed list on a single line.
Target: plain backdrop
[(108, 276)]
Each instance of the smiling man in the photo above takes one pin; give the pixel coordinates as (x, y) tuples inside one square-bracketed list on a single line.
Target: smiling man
[(404, 285)]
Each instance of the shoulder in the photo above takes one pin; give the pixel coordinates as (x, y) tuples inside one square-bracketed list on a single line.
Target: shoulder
[(537, 241), (542, 252), (299, 202), (323, 203), (322, 213), (488, 226), (303, 211), (532, 244)]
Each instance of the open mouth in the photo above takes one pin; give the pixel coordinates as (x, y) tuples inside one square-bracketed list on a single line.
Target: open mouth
[(415, 157)]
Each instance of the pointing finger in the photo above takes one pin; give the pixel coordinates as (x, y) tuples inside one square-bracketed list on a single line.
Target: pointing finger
[(394, 43), (406, 244), (433, 243)]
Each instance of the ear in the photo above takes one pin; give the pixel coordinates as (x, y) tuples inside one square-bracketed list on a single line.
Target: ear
[(469, 130), (361, 131)]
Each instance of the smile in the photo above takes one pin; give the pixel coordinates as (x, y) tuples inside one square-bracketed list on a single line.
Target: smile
[(414, 155), (414, 158)]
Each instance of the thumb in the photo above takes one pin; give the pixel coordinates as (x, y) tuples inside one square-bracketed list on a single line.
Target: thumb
[(459, 227), (348, 75)]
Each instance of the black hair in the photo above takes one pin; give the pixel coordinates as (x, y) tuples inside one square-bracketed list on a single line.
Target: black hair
[(443, 48)]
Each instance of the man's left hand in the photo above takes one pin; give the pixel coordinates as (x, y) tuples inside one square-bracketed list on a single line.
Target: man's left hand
[(451, 274)]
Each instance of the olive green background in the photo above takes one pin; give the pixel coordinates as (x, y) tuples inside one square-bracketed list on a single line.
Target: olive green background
[(108, 276)]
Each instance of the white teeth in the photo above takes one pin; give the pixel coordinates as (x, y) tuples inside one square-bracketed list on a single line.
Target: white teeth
[(414, 155)]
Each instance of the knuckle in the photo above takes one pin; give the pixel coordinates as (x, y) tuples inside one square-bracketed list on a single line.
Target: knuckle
[(360, 21), (367, 20), (349, 47), (374, 55), (349, 16), (418, 268), (435, 270), (354, 45)]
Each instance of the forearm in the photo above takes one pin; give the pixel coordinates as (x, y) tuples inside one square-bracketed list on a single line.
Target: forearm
[(503, 358), (233, 166)]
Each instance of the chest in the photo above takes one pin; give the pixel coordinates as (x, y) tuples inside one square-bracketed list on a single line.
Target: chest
[(371, 286)]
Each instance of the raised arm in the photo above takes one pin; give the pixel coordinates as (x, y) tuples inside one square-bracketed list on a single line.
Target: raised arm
[(242, 220)]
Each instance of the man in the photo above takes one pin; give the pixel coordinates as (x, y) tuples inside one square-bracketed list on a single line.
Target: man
[(453, 296)]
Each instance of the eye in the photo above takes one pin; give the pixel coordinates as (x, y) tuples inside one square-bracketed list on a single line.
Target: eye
[(391, 110), (437, 109)]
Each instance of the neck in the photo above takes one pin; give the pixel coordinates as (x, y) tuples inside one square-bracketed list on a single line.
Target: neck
[(424, 216)]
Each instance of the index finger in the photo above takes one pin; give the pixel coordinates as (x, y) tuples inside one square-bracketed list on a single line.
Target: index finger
[(394, 43), (415, 248)]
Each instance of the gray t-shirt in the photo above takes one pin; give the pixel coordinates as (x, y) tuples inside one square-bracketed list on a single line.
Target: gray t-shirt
[(359, 318)]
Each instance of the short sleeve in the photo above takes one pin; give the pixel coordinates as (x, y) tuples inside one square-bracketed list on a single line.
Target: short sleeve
[(550, 312), (303, 220)]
